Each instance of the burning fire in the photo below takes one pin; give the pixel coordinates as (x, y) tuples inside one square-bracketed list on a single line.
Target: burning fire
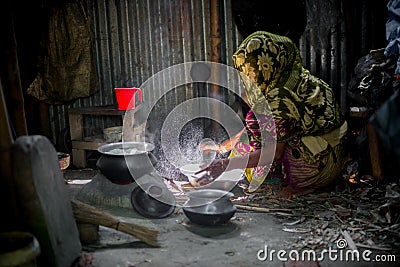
[(352, 178)]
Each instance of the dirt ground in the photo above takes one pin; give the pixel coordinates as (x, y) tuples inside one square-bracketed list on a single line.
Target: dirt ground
[(263, 232)]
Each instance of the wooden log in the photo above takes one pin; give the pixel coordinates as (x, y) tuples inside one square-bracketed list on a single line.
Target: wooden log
[(375, 151)]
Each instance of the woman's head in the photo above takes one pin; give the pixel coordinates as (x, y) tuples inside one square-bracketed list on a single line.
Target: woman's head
[(283, 17)]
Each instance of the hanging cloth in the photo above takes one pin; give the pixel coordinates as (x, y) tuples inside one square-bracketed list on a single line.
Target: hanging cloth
[(68, 70)]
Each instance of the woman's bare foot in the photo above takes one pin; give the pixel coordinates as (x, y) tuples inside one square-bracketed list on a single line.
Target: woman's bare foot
[(290, 192)]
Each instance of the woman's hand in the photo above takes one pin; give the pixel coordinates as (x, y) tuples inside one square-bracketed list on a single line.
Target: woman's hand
[(213, 171), (207, 147)]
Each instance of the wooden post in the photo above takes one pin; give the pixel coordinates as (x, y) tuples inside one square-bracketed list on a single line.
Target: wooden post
[(375, 152), (7, 194), (10, 71), (215, 32), (76, 132), (215, 55)]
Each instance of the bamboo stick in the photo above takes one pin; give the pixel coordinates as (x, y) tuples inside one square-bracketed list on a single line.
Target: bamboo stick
[(373, 247), (89, 214), (259, 209)]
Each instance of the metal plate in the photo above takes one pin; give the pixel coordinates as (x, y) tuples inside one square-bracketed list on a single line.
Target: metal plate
[(127, 148)]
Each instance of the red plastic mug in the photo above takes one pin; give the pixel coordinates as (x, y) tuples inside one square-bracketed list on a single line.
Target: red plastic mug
[(126, 97)]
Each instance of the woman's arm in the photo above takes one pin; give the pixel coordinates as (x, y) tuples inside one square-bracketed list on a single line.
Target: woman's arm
[(260, 157), (223, 147), (228, 144)]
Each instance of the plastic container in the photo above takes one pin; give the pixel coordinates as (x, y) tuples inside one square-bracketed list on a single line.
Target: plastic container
[(64, 160), (18, 249), (126, 97), (112, 134)]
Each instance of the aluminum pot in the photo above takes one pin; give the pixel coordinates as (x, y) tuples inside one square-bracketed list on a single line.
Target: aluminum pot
[(123, 162)]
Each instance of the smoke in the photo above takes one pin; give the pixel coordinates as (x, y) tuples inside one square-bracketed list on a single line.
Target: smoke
[(187, 151), (192, 134)]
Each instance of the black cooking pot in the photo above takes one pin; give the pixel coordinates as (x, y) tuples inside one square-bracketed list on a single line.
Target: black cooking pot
[(123, 162), (209, 207)]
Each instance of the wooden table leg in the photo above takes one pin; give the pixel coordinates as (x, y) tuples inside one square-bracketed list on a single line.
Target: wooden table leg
[(76, 132), (375, 152), (128, 120)]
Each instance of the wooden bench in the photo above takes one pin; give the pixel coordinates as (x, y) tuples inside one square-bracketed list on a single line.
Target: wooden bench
[(80, 143)]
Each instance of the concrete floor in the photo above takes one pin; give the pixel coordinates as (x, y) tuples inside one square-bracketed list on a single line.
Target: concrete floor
[(186, 244)]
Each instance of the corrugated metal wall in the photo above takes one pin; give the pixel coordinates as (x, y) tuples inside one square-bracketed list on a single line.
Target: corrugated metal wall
[(135, 39)]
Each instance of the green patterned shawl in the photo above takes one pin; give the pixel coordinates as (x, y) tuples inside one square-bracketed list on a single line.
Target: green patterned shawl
[(272, 70)]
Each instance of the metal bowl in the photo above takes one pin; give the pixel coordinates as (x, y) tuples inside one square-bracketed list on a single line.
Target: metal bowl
[(190, 169), (148, 206), (226, 181), (151, 198)]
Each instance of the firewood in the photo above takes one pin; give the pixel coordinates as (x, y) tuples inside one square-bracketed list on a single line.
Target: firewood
[(265, 210), (89, 214)]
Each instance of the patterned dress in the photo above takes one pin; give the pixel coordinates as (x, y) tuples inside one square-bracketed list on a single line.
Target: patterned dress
[(289, 105)]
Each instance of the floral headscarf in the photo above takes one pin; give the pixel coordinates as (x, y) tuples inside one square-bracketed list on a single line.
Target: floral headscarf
[(272, 70)]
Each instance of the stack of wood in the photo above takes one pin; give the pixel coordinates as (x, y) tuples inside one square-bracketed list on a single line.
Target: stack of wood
[(88, 214)]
